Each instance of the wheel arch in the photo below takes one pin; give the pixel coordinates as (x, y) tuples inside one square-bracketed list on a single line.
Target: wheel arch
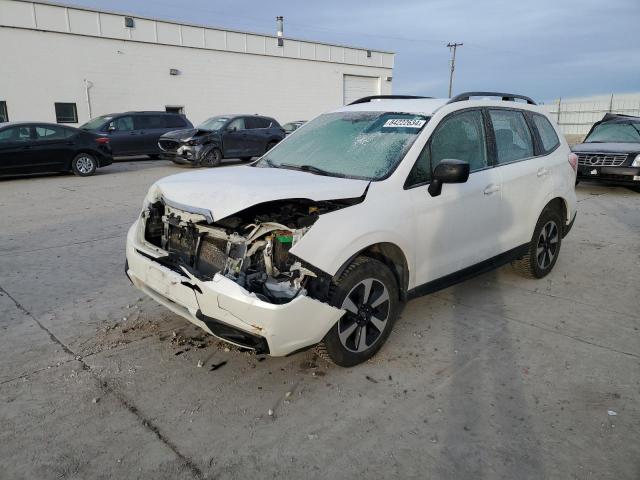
[(389, 254)]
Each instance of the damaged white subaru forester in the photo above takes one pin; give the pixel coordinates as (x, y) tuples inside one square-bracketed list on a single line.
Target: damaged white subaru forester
[(321, 240)]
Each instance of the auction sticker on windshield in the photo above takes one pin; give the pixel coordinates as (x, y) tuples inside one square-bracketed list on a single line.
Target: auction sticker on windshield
[(404, 123)]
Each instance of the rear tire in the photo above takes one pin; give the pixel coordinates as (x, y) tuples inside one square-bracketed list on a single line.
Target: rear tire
[(84, 165), (544, 247), (368, 292), (212, 158)]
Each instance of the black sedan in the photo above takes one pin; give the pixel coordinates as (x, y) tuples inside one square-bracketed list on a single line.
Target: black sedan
[(36, 147), (225, 136), (611, 151)]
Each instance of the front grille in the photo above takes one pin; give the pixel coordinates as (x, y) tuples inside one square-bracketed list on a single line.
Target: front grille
[(601, 159), (169, 145)]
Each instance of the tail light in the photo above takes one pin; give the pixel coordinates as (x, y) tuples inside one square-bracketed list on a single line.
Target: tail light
[(102, 140), (573, 161)]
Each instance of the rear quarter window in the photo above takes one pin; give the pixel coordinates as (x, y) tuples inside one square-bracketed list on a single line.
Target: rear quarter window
[(547, 133)]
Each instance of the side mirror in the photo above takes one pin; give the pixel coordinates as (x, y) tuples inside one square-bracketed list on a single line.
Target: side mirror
[(448, 170), (231, 129), (111, 128)]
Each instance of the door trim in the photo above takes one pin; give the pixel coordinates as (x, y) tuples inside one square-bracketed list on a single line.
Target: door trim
[(468, 272)]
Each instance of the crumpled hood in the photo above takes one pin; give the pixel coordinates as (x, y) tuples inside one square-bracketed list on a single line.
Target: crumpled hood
[(228, 190), (609, 147), (185, 134)]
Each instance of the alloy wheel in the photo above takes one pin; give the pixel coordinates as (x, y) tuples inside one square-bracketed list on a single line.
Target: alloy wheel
[(84, 164), (367, 308), (547, 246)]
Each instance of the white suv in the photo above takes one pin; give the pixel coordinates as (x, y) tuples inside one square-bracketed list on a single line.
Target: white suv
[(321, 240)]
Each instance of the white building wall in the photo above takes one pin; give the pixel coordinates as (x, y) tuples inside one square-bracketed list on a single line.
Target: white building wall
[(47, 51)]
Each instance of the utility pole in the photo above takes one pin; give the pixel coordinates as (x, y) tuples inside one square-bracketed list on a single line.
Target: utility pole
[(452, 48)]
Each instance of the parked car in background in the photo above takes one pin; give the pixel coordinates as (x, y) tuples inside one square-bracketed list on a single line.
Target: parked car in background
[(293, 126), (611, 151), (35, 147), (322, 239), (136, 133), (223, 136)]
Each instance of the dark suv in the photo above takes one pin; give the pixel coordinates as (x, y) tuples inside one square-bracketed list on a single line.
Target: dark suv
[(224, 136), (611, 151), (136, 133)]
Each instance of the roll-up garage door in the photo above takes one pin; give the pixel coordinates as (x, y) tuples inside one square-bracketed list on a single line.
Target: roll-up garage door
[(356, 87)]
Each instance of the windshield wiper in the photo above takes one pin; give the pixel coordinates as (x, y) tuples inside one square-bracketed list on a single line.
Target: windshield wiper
[(312, 169)]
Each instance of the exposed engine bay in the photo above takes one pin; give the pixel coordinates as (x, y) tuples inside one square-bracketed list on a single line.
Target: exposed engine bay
[(250, 247)]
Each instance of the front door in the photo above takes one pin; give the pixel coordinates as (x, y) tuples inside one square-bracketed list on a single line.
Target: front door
[(460, 227), (123, 138), (234, 139)]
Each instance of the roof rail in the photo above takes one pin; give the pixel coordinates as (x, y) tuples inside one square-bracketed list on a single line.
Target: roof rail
[(507, 97), (386, 97)]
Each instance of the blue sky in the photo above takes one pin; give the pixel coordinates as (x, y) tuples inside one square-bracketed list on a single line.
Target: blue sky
[(544, 48)]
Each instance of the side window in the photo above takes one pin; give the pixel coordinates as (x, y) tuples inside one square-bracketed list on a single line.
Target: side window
[(50, 133), (123, 124), (461, 136), (174, 121), (547, 132), (15, 134), (238, 123), (150, 122), (513, 138), (257, 122), (421, 171)]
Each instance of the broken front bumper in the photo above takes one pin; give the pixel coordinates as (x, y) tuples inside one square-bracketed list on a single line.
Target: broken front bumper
[(223, 308)]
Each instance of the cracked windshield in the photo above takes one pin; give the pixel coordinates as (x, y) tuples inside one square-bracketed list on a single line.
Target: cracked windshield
[(363, 145)]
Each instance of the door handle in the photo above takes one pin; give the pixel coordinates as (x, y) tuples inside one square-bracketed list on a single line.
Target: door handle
[(542, 172), (491, 189), (27, 147)]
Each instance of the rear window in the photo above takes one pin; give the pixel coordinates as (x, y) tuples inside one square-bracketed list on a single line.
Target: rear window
[(52, 133), (547, 133), (174, 121)]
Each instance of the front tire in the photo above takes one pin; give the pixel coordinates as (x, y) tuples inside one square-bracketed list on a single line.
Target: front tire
[(84, 165), (544, 247), (212, 158), (368, 292)]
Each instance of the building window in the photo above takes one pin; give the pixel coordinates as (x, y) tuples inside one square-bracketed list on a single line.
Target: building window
[(4, 116), (66, 113), (174, 109)]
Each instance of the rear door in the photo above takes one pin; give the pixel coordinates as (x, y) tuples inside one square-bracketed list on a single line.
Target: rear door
[(525, 174), (122, 136), (16, 155), (460, 227), (258, 133), (53, 147)]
